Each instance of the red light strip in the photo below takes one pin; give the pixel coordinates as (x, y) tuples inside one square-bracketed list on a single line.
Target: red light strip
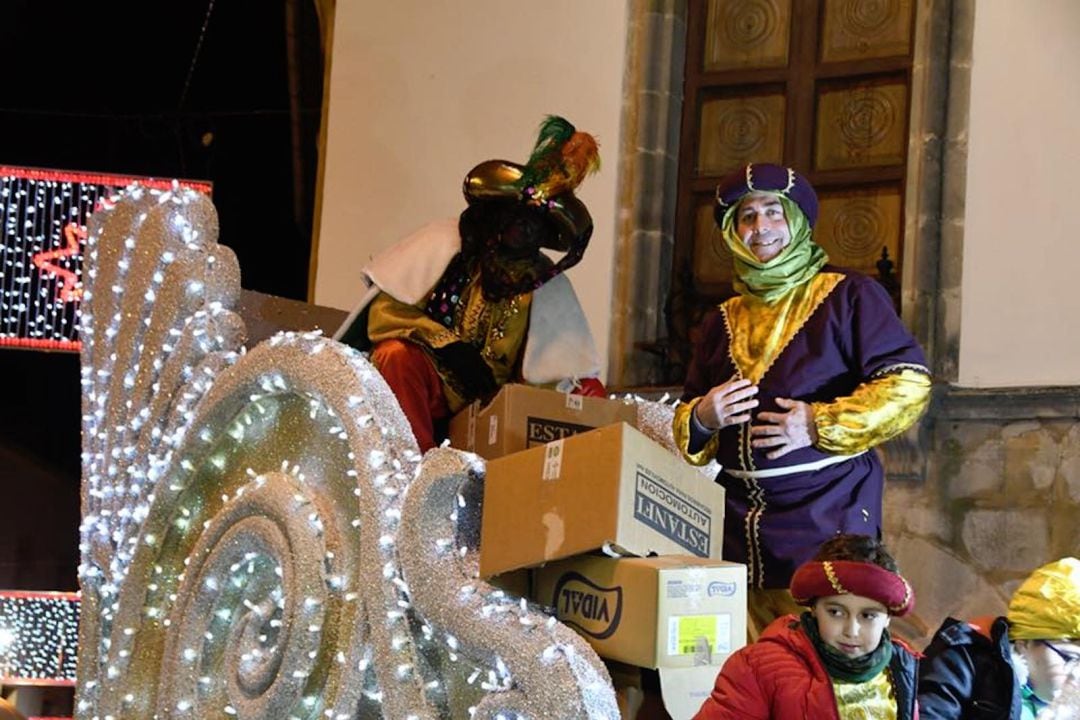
[(121, 181)]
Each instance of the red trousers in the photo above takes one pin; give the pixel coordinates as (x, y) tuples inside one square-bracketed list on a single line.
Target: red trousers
[(412, 378)]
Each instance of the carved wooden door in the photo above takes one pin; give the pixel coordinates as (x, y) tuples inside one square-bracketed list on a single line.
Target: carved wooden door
[(820, 85)]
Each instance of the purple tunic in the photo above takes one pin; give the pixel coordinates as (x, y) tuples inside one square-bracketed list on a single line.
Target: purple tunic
[(775, 524)]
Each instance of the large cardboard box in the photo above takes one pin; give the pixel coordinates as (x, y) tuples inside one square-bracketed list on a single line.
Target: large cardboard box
[(681, 614), (667, 611), (611, 486), (520, 417)]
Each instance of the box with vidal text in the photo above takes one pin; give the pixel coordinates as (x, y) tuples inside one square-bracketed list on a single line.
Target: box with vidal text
[(681, 614)]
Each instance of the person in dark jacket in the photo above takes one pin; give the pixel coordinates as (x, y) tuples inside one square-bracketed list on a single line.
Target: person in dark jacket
[(1011, 667), (836, 661)]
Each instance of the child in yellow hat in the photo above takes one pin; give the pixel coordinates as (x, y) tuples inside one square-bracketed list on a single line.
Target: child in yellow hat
[(1015, 666)]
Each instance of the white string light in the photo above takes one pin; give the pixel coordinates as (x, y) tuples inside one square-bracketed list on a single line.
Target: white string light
[(43, 216), (259, 508), (38, 637)]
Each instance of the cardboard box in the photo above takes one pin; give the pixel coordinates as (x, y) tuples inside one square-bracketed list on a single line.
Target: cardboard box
[(611, 486), (516, 582), (668, 611), (685, 689), (666, 693), (681, 614), (521, 417)]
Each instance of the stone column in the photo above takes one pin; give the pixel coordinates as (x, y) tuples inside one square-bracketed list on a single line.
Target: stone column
[(648, 169)]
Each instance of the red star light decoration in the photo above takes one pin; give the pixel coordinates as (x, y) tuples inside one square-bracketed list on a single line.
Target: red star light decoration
[(68, 288)]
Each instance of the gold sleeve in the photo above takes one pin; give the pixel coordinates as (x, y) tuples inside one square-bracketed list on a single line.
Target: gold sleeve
[(389, 318), (680, 428), (876, 411)]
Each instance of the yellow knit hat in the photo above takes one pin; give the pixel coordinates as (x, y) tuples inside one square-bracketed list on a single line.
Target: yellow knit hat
[(1047, 605)]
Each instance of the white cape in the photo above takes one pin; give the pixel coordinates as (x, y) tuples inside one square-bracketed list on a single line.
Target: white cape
[(559, 345)]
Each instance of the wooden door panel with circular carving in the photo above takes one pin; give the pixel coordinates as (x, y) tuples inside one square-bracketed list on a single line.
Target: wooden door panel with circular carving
[(738, 130), (861, 125), (747, 34), (820, 85), (854, 226), (862, 29)]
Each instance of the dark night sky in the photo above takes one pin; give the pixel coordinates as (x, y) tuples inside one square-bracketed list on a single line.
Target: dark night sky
[(99, 86)]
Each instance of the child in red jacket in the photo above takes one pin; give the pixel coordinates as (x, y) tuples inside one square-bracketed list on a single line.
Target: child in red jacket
[(837, 660)]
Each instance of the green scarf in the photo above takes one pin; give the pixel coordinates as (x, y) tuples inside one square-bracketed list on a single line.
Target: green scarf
[(795, 264), (840, 666), (1030, 703)]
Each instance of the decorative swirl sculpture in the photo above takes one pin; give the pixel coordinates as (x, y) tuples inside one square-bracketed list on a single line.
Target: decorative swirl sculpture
[(246, 515), (441, 531)]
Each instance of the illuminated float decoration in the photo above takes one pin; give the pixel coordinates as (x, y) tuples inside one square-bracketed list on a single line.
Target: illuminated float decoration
[(261, 537), (38, 637), (43, 217)]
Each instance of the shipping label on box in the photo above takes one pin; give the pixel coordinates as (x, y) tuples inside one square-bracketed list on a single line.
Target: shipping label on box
[(521, 417), (607, 487), (699, 635), (668, 612)]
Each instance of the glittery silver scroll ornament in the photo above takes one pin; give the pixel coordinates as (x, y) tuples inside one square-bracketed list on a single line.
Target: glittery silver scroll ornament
[(244, 521), (155, 328), (654, 420), (540, 668)]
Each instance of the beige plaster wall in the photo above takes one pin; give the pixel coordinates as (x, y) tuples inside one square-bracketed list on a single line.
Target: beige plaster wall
[(1021, 295), (422, 90)]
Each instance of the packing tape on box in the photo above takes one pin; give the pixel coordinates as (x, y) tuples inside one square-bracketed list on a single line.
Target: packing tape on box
[(470, 438), (493, 429), (553, 454)]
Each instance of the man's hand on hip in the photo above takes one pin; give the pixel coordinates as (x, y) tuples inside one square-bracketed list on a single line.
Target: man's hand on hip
[(785, 431), (727, 404)]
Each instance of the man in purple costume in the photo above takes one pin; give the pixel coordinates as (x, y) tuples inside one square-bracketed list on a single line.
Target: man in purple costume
[(793, 382)]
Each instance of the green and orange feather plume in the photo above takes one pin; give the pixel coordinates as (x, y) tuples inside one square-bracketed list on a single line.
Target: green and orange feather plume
[(560, 160)]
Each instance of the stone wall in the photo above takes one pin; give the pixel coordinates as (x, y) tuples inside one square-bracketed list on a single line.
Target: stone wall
[(999, 497)]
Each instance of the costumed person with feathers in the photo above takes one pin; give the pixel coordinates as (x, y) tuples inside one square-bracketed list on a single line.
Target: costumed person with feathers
[(463, 306)]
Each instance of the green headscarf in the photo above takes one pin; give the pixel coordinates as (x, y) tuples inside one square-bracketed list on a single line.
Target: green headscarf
[(842, 667), (797, 263)]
